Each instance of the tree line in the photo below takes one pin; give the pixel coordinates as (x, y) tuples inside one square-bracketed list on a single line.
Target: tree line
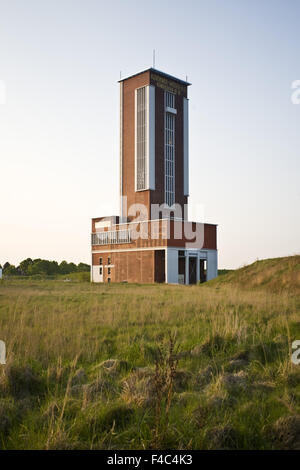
[(30, 267)]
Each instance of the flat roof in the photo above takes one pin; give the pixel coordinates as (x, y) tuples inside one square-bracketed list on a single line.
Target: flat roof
[(151, 69)]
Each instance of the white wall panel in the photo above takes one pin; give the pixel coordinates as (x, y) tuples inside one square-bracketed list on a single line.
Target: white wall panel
[(151, 139), (171, 265), (186, 146), (96, 274), (212, 264)]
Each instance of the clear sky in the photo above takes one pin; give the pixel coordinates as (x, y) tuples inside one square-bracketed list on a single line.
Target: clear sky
[(60, 61)]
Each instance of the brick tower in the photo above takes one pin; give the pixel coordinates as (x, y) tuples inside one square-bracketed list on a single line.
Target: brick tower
[(152, 240), (154, 140)]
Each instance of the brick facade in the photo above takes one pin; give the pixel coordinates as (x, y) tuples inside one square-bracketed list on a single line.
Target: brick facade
[(128, 266)]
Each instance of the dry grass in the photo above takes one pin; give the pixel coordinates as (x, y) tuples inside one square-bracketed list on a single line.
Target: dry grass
[(56, 393)]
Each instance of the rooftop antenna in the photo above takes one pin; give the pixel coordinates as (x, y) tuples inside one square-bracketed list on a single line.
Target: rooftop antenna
[(154, 58), (120, 74), (186, 77)]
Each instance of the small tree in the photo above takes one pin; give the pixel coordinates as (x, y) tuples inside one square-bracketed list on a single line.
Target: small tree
[(24, 265), (11, 270), (83, 267), (39, 266), (64, 267), (6, 265)]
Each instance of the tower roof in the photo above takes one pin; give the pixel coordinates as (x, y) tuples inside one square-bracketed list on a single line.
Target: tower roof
[(159, 72)]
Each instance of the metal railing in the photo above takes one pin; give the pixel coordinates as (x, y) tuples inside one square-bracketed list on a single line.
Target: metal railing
[(113, 237)]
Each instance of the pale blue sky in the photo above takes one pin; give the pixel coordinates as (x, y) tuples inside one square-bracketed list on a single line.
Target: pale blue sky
[(59, 148)]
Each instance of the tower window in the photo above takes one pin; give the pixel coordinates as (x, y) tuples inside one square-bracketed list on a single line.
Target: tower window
[(108, 271), (170, 100), (141, 139), (108, 260), (169, 151), (100, 271), (100, 261)]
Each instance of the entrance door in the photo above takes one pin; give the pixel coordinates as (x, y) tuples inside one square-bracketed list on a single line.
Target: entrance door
[(202, 270), (192, 270), (159, 273), (181, 267)]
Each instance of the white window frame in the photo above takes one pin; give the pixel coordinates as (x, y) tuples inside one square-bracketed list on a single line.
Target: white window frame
[(145, 139), (141, 138), (169, 148)]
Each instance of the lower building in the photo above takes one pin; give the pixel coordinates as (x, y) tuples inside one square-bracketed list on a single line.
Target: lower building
[(153, 251)]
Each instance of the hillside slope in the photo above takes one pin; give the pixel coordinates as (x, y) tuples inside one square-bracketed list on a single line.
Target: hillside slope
[(273, 274)]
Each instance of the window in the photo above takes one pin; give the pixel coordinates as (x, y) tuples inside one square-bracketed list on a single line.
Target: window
[(100, 271), (108, 260), (169, 151), (108, 280), (170, 100), (100, 261), (141, 139), (108, 271)]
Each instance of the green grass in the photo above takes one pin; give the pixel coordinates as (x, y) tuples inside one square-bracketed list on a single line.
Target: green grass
[(275, 274), (56, 394)]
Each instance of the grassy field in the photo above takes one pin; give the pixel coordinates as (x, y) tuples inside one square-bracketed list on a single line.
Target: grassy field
[(151, 366)]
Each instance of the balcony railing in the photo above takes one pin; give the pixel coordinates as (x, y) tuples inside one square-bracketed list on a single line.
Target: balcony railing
[(114, 237)]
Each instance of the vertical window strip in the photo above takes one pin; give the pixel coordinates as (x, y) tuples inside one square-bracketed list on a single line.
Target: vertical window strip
[(141, 138), (169, 150)]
